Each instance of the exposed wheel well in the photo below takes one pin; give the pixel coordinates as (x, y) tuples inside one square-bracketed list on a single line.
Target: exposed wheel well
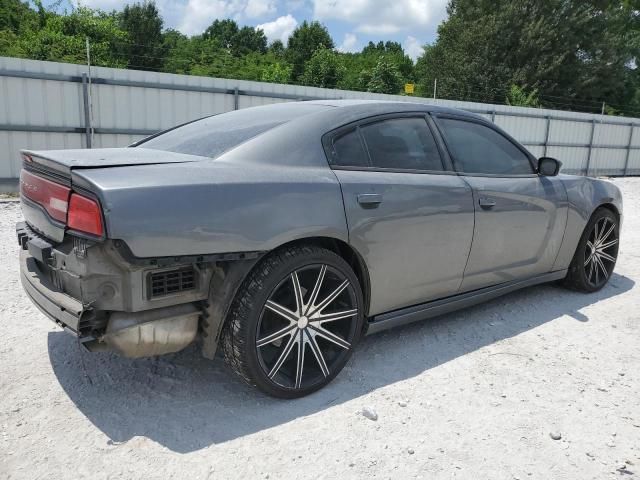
[(349, 254), (611, 207)]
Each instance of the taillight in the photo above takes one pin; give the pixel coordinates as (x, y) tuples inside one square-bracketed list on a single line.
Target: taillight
[(53, 197), (85, 215)]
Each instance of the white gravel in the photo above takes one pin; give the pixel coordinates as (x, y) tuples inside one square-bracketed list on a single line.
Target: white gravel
[(476, 394)]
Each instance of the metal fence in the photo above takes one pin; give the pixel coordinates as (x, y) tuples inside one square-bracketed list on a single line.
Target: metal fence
[(47, 105)]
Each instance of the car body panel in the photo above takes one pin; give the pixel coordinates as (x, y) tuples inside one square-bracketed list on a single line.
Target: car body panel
[(216, 207), (278, 187), (416, 241), (585, 195), (521, 234)]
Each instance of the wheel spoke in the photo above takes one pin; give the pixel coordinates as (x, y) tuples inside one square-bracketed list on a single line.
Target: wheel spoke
[(609, 244), (588, 260), (297, 290), (330, 317), (275, 336), (282, 311), (605, 236), (283, 356), (300, 362), (327, 335), (592, 271), (332, 296), (605, 256), (315, 348), (316, 288), (600, 265)]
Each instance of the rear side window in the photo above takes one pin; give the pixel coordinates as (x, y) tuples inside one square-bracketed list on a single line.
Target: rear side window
[(477, 148), (349, 151), (403, 144), (212, 136)]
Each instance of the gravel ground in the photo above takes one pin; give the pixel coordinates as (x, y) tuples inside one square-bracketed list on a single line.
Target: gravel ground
[(479, 393)]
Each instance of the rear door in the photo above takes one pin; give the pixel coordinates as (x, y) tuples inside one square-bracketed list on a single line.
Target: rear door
[(409, 215), (520, 216)]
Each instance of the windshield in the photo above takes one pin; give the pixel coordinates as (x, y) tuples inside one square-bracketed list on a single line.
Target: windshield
[(212, 136)]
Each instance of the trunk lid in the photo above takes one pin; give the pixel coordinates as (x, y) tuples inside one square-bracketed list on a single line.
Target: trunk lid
[(46, 180), (63, 161)]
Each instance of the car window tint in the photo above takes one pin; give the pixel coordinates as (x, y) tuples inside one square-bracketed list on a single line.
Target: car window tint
[(212, 136), (477, 148), (402, 143), (349, 151)]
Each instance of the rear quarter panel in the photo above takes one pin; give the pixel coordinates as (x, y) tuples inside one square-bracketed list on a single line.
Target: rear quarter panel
[(585, 195), (216, 206)]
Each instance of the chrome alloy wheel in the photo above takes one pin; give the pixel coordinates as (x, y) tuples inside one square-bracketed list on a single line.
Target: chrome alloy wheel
[(307, 326), (601, 252)]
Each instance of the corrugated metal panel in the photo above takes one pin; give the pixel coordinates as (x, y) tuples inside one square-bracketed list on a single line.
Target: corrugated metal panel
[(46, 102)]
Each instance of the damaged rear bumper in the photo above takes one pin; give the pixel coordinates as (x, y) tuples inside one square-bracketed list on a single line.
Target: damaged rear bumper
[(161, 326)]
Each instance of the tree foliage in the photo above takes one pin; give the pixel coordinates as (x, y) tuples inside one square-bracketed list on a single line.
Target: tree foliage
[(303, 42), (142, 23), (324, 69), (572, 51), (573, 54)]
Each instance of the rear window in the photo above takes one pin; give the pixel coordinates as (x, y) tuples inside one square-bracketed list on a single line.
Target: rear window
[(212, 136)]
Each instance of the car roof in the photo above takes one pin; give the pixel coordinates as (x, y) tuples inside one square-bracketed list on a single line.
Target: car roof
[(375, 107)]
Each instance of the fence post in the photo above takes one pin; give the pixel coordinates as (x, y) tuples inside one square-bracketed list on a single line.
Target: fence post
[(546, 135), (626, 160), (236, 99), (87, 113), (593, 128)]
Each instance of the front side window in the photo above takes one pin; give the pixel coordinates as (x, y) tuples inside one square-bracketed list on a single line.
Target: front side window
[(402, 143), (476, 148)]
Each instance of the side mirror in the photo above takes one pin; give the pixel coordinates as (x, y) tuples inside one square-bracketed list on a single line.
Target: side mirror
[(549, 167)]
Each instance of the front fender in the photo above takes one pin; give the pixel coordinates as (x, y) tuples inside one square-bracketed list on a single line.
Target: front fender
[(585, 195)]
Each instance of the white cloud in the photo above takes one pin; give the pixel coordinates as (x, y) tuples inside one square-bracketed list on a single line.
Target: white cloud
[(349, 43), (280, 29), (382, 16), (198, 15), (413, 47), (259, 8)]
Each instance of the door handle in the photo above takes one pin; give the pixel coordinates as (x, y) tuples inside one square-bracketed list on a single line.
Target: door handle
[(369, 200), (486, 203)]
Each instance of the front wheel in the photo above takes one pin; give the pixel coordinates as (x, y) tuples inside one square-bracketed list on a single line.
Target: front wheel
[(597, 252), (295, 321)]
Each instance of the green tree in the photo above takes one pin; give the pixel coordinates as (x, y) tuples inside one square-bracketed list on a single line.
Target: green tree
[(303, 42), (573, 51), (277, 48), (517, 96), (223, 31), (62, 38), (16, 15), (385, 78), (238, 41), (144, 48), (276, 73), (324, 69)]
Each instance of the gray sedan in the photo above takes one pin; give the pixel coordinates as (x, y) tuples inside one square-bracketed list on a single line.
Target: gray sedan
[(284, 233)]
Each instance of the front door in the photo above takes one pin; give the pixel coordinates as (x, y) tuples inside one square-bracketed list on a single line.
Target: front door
[(520, 216), (409, 218)]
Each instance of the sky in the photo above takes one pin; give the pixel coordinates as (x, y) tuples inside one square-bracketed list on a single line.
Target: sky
[(352, 23)]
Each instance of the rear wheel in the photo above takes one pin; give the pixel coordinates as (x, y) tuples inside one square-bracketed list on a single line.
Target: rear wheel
[(597, 252), (295, 321)]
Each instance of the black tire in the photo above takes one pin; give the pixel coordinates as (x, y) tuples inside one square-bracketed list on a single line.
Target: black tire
[(250, 320), (589, 273)]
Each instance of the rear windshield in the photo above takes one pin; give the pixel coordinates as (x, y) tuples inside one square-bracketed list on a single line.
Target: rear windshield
[(212, 136)]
